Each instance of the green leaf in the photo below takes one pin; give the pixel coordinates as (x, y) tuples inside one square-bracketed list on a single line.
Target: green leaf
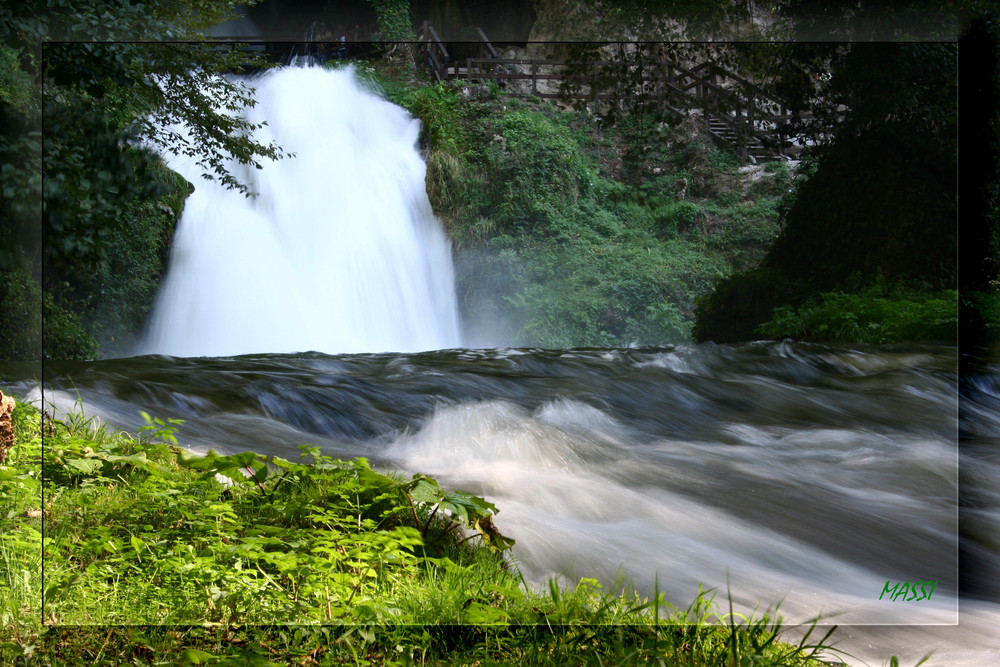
[(369, 477), (88, 466), (423, 489), (481, 614), (193, 656)]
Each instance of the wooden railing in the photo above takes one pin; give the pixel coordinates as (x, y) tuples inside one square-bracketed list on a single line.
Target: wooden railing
[(434, 54), (736, 111)]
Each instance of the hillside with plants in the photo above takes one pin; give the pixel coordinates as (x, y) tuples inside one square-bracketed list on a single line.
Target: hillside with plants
[(570, 231), (868, 246), (572, 227)]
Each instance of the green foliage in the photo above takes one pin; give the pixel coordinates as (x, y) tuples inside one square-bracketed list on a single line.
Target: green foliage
[(64, 335), (881, 196), (20, 200), (458, 509), (808, 20), (731, 312), (890, 210), (21, 525), (88, 175), (987, 306), (16, 89), (672, 216), (438, 106), (875, 315), (190, 537), (664, 323), (570, 232), (21, 315), (540, 169), (123, 289), (394, 22)]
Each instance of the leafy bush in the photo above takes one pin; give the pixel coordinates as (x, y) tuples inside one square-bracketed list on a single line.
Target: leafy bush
[(124, 288), (438, 107), (65, 336), (874, 315), (664, 323), (238, 537), (674, 216), (21, 315)]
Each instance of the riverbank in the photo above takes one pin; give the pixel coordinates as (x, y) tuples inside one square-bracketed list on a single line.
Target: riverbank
[(353, 564)]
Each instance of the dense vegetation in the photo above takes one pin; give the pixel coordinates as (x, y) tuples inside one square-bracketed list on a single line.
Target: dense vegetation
[(139, 531), (881, 204), (877, 314), (979, 143), (571, 232)]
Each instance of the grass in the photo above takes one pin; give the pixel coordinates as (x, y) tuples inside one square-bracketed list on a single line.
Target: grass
[(150, 559)]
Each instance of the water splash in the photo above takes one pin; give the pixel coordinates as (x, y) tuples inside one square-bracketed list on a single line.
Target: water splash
[(338, 249)]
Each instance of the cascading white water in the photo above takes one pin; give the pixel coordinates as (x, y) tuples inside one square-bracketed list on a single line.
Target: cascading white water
[(338, 250)]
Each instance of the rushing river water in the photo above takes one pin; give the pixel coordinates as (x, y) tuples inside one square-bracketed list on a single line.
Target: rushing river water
[(803, 473)]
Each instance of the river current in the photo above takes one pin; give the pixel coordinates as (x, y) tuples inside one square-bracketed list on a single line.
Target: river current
[(806, 474)]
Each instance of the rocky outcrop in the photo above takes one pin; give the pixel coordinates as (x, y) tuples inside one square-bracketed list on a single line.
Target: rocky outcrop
[(570, 21), (503, 22)]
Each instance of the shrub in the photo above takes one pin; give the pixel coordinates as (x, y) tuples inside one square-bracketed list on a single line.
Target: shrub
[(64, 335), (874, 315), (21, 315)]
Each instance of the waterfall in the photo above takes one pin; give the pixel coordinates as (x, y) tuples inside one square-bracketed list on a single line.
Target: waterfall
[(336, 251)]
